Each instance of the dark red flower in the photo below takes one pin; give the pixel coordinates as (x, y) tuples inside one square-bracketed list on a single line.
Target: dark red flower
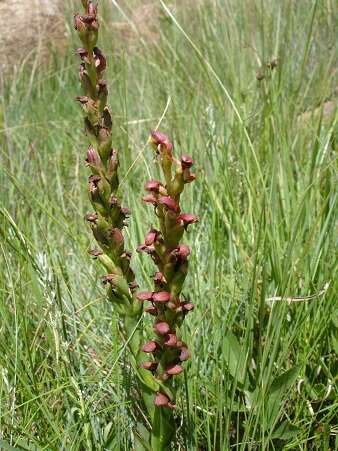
[(170, 203), (188, 219), (174, 369), (188, 176), (151, 310), (159, 278), (100, 60), (162, 400), (83, 54), (151, 366), (185, 354), (150, 199), (159, 139), (170, 340), (186, 162), (150, 347), (153, 186), (151, 237), (144, 296), (162, 328), (92, 217), (187, 306)]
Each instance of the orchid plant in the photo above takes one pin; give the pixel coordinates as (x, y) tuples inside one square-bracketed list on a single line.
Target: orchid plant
[(157, 362)]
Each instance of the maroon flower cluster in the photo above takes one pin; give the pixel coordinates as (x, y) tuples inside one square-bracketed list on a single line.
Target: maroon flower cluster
[(170, 256), (109, 218)]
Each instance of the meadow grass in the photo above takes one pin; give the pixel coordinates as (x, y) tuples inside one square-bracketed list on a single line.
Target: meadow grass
[(263, 375)]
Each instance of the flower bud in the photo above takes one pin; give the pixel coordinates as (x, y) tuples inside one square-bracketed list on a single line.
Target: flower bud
[(99, 61), (86, 82), (117, 241), (79, 25), (93, 160), (105, 140), (113, 164), (102, 94), (87, 27), (91, 8)]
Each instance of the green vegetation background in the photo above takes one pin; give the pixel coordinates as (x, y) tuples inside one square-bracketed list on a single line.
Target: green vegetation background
[(263, 374)]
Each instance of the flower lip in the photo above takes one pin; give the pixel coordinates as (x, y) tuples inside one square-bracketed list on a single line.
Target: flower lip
[(144, 296), (92, 217), (82, 99), (150, 347), (189, 177), (151, 310), (162, 400), (95, 253), (147, 249), (161, 297), (181, 252), (187, 306), (170, 340), (152, 185), (100, 60), (162, 328), (188, 218), (185, 354), (151, 237), (117, 236), (158, 278), (93, 158), (83, 54), (170, 203), (108, 278), (186, 161), (149, 198), (151, 366), (174, 369)]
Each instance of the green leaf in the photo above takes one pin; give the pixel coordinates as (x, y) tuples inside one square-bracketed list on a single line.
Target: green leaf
[(23, 446), (286, 431), (7, 447), (279, 388), (235, 357)]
